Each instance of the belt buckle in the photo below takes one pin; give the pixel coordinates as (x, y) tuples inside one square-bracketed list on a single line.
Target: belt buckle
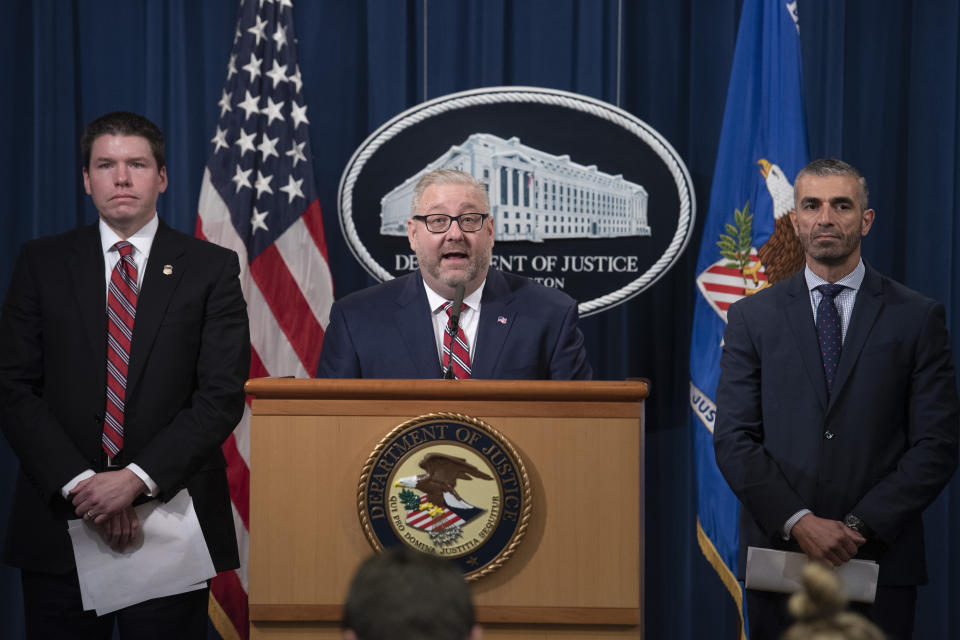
[(111, 464)]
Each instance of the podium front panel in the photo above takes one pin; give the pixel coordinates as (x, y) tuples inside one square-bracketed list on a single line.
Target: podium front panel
[(578, 571)]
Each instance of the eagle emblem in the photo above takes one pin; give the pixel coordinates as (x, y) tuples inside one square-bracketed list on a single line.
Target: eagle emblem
[(743, 269), (440, 510), (450, 485)]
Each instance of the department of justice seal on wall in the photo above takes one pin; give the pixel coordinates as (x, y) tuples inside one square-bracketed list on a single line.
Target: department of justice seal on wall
[(584, 196), (450, 485)]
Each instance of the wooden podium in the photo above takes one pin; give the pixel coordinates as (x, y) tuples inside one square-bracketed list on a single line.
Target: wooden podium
[(578, 573)]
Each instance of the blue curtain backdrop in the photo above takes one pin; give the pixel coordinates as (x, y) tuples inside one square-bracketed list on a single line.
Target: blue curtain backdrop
[(881, 88)]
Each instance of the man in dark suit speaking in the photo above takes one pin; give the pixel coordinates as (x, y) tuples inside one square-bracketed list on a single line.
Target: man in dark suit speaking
[(837, 412), (124, 346), (509, 327)]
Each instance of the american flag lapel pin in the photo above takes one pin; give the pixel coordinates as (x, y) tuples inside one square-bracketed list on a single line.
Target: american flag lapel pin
[(502, 320)]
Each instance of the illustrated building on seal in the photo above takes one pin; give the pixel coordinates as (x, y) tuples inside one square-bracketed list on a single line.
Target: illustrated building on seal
[(534, 196)]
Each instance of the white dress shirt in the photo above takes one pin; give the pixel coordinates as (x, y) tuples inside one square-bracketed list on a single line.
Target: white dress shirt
[(469, 317), (142, 240), (844, 302)]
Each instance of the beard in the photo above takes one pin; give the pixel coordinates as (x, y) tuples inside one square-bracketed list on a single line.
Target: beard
[(835, 251), (478, 261)]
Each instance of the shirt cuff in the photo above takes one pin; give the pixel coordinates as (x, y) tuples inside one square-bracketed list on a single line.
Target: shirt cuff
[(794, 519), (152, 487), (67, 488)]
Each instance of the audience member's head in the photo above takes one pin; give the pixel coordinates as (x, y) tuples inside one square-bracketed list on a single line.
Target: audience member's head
[(820, 611), (402, 594)]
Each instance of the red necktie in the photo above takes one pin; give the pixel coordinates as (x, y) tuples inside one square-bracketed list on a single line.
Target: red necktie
[(121, 310), (460, 351)]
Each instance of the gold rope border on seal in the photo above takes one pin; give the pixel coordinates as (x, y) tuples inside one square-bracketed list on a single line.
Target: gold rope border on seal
[(525, 513)]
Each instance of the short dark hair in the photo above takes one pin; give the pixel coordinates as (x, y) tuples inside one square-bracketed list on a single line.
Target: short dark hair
[(123, 123), (402, 594), (823, 167)]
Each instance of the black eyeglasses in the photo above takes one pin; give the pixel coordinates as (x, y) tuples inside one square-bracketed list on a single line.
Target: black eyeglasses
[(440, 222)]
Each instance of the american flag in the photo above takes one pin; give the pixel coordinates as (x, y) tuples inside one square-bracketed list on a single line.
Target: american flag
[(259, 198)]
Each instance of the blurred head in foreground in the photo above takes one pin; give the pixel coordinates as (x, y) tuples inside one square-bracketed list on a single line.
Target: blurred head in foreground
[(820, 611), (402, 594)]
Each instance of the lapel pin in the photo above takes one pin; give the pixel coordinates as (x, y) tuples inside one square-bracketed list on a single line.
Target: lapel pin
[(168, 269), (502, 319)]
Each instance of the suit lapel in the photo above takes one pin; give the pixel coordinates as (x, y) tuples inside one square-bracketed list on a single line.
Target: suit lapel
[(865, 311), (415, 324), (155, 293), (496, 320), (799, 316), (87, 273)]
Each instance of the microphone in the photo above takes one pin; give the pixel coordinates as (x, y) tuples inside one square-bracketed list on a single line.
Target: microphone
[(453, 326)]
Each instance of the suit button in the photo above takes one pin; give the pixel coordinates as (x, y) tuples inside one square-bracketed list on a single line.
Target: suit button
[(828, 435)]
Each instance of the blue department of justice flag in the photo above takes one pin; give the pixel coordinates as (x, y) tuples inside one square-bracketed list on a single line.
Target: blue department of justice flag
[(748, 243)]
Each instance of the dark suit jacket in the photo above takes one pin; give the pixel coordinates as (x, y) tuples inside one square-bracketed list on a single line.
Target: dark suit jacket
[(882, 447), (189, 358), (526, 331)]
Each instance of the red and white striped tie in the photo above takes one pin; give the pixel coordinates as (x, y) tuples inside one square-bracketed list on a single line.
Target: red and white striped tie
[(121, 311), (460, 352)]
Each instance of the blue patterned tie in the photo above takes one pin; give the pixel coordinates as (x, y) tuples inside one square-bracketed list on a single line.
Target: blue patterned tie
[(828, 330)]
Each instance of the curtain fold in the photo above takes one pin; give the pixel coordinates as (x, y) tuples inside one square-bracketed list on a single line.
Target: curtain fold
[(882, 90)]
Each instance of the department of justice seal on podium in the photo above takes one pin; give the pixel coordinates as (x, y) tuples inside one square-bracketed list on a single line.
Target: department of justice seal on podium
[(450, 485)]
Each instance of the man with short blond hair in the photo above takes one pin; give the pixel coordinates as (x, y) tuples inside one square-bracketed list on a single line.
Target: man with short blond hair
[(509, 327)]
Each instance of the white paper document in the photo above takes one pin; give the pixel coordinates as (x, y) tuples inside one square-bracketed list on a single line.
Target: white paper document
[(172, 558), (782, 571)]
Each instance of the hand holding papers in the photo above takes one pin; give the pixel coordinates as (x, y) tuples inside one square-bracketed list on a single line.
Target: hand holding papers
[(172, 558), (782, 571)]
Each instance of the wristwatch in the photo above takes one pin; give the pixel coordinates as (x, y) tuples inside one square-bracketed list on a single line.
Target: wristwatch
[(857, 524)]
